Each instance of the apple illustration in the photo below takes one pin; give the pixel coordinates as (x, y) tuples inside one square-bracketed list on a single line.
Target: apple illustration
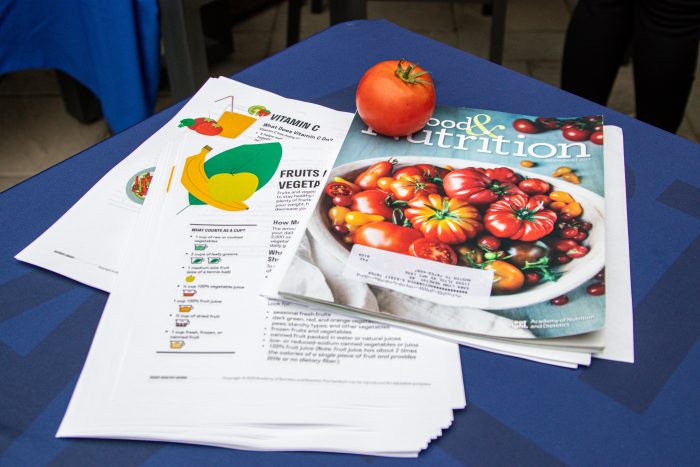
[(233, 187)]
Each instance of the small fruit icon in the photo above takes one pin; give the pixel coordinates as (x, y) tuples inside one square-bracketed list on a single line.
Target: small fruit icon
[(203, 125), (233, 187), (189, 279), (258, 110)]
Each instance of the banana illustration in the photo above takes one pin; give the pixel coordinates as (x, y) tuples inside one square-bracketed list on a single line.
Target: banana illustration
[(195, 180)]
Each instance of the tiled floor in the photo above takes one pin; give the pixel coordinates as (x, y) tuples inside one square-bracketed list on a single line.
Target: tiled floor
[(37, 133)]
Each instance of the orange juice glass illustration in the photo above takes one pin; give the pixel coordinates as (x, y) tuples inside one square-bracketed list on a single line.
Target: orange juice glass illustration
[(234, 123), (185, 308), (177, 344)]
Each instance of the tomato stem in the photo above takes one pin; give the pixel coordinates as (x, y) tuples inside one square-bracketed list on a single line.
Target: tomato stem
[(527, 214), (407, 76), (394, 203), (542, 267)]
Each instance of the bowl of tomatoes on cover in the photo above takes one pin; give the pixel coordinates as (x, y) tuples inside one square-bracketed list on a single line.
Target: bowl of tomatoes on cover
[(541, 236)]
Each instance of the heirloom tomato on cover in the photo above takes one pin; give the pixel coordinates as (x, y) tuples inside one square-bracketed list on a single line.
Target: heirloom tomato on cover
[(368, 179), (384, 184), (372, 202), (427, 171), (503, 175), (407, 187), (386, 236), (395, 98), (434, 251), (534, 186), (446, 220), (506, 277), (519, 218), (336, 188), (476, 187)]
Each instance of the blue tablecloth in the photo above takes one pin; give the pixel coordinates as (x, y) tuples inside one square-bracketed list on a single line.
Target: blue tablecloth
[(520, 412), (111, 47)]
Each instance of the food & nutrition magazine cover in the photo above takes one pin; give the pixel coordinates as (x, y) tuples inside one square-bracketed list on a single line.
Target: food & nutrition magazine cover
[(483, 222)]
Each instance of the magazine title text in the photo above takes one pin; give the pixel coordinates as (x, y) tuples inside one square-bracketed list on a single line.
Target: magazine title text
[(480, 134)]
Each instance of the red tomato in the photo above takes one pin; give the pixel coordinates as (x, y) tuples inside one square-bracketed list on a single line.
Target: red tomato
[(562, 259), (575, 133), (578, 252), (596, 289), (506, 277), (564, 245), (372, 202), (544, 199), (560, 300), (395, 98), (568, 232), (207, 127), (548, 123), (367, 180), (407, 187), (432, 250), (386, 236), (523, 125), (475, 187), (445, 220), (597, 137), (532, 278), (519, 218), (503, 175), (342, 200), (489, 243), (534, 186), (334, 189)]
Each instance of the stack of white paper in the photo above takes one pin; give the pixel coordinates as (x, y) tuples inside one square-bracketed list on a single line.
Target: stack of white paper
[(187, 349), (87, 243)]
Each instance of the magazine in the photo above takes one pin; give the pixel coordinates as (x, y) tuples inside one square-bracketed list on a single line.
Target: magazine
[(484, 222)]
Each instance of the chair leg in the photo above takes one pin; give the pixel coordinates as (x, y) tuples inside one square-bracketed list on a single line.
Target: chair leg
[(184, 44), (78, 100), (217, 24), (293, 22), (348, 10), (498, 30)]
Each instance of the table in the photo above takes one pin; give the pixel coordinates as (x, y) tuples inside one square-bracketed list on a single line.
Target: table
[(519, 413)]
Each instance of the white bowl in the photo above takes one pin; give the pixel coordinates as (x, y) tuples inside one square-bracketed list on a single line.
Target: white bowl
[(575, 272)]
